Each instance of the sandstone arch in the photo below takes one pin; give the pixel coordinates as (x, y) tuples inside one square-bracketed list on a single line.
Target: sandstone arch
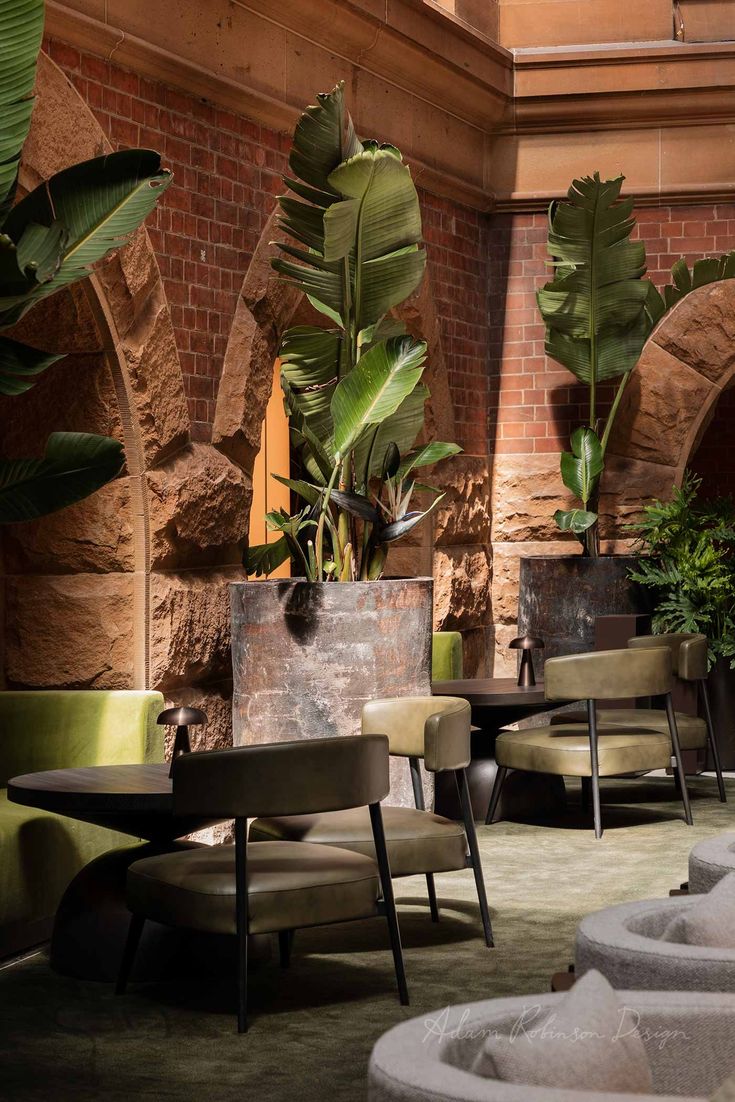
[(671, 398), (111, 592)]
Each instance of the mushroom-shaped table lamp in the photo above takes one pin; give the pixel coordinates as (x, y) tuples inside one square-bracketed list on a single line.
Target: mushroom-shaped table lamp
[(182, 719), (526, 644)]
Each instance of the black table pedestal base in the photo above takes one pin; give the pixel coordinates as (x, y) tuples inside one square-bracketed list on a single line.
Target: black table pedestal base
[(92, 921), (524, 795)]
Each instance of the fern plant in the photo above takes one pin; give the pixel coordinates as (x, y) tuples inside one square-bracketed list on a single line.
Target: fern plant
[(686, 561)]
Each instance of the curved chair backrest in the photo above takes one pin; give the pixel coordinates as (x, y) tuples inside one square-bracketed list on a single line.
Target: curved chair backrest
[(688, 652), (609, 674), (283, 778), (435, 728)]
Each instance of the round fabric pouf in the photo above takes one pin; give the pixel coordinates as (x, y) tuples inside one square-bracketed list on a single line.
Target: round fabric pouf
[(709, 861), (625, 943)]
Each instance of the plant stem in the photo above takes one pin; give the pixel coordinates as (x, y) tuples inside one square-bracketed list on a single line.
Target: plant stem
[(322, 518), (613, 411)]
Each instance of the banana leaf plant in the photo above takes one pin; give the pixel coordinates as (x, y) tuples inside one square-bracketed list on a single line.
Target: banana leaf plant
[(352, 388), (599, 312), (49, 239)]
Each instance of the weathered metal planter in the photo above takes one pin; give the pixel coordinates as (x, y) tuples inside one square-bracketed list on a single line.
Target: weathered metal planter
[(306, 656), (560, 596)]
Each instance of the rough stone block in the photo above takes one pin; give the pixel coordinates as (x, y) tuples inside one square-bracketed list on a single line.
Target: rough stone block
[(700, 331), (199, 507), (245, 386), (464, 515), (652, 426), (160, 410), (70, 632), (628, 485), (190, 626), (94, 536), (63, 322), (462, 579), (76, 394), (526, 492)]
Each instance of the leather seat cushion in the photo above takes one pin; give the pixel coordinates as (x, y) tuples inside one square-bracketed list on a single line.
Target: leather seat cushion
[(290, 885), (565, 750), (418, 841), (692, 730)]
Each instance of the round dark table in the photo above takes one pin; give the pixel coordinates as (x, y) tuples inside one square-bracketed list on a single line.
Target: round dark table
[(91, 922), (133, 799), (495, 702)]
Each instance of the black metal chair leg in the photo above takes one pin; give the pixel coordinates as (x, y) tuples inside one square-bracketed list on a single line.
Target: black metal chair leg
[(431, 890), (469, 827), (241, 915), (492, 807), (586, 798), (418, 799), (137, 922), (704, 690), (592, 723), (381, 852), (285, 938), (673, 729)]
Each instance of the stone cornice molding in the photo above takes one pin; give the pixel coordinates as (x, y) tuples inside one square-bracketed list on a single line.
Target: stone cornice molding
[(478, 123)]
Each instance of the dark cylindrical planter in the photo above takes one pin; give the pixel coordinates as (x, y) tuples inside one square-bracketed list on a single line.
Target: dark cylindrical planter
[(721, 694), (306, 657), (560, 596)]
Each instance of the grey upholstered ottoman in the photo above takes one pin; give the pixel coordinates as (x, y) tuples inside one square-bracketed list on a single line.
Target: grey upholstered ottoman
[(689, 1039), (709, 861), (623, 943)]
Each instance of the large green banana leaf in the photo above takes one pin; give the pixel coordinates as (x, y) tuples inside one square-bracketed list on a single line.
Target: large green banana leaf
[(323, 138), (594, 307), (310, 368), (21, 30), (377, 227), (375, 388), (581, 468), (74, 465), (400, 429), (98, 203), (20, 364)]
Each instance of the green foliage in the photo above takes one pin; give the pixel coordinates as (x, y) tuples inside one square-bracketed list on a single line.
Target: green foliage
[(75, 464), (352, 389), (52, 238), (599, 312), (687, 563)]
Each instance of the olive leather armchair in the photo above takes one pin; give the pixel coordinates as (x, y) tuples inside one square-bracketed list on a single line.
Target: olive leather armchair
[(589, 751), (273, 887), (689, 664), (435, 730), (40, 852)]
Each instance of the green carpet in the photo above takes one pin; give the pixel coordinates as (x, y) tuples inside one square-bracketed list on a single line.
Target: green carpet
[(313, 1026)]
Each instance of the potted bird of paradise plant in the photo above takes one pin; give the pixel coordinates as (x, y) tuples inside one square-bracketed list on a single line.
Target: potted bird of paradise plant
[(308, 652), (599, 309)]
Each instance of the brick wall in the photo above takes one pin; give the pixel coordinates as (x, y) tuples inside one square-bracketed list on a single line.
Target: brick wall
[(226, 174), (535, 403)]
